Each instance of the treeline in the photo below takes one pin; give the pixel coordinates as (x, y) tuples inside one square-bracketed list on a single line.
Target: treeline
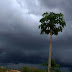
[(24, 69)]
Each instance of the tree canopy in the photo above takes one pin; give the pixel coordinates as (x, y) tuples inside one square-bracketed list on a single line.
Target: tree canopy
[(52, 21)]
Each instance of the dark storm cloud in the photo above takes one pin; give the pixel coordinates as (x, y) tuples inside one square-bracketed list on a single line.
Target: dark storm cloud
[(21, 48), (16, 36), (63, 5)]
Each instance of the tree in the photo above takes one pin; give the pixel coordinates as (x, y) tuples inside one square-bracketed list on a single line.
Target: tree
[(51, 23), (53, 65)]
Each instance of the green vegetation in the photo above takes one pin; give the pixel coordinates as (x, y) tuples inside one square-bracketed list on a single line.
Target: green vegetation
[(53, 65), (24, 69), (3, 69), (33, 69)]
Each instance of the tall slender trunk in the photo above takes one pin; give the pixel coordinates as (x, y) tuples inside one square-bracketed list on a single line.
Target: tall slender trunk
[(49, 60)]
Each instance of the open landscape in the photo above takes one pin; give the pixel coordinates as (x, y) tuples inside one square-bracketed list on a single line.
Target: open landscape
[(35, 36)]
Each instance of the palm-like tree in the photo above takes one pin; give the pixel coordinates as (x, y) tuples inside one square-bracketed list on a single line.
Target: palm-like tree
[(51, 23)]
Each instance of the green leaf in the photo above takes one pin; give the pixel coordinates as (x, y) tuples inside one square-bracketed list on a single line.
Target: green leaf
[(51, 20), (52, 68)]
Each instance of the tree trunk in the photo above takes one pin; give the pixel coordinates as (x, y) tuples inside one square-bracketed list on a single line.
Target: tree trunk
[(49, 60)]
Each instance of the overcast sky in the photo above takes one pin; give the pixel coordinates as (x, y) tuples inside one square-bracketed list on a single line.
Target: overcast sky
[(20, 39)]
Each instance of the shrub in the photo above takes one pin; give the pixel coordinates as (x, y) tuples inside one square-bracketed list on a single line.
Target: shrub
[(25, 69)]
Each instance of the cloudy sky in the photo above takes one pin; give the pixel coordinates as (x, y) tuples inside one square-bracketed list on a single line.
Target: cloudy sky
[(20, 39)]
